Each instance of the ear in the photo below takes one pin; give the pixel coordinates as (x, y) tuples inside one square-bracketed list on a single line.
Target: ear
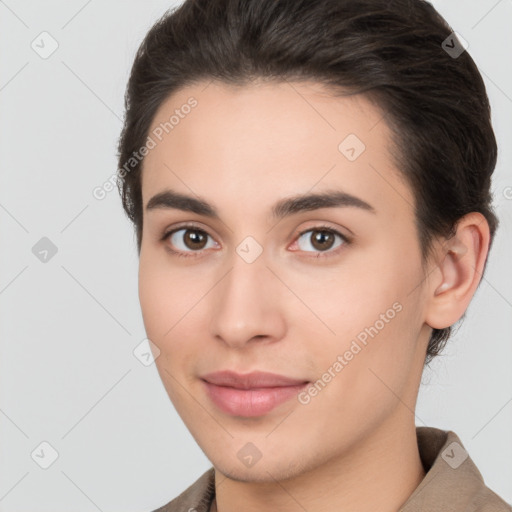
[(460, 264)]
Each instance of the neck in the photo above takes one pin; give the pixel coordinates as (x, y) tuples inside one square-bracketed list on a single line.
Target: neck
[(379, 474)]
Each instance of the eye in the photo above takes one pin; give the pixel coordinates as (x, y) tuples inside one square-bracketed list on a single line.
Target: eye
[(321, 239), (188, 239)]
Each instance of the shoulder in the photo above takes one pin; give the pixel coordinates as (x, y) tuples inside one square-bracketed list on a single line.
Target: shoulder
[(196, 498), (489, 501), (452, 481)]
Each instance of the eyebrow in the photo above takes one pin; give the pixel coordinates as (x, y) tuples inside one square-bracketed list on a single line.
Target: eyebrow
[(170, 199)]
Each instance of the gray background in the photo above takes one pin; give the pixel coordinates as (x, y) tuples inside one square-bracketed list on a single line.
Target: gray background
[(69, 325)]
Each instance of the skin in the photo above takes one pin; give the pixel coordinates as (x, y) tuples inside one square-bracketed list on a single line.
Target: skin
[(296, 308)]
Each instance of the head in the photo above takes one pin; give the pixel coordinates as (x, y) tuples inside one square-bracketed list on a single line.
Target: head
[(249, 107)]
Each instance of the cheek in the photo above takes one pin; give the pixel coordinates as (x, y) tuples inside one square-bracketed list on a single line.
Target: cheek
[(379, 340), (164, 293), (151, 297), (171, 300), (163, 300), (369, 304), (344, 301)]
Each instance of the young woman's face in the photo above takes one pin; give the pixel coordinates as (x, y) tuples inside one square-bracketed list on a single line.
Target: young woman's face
[(326, 292)]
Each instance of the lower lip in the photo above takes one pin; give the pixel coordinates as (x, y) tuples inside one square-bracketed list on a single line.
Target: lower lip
[(250, 402)]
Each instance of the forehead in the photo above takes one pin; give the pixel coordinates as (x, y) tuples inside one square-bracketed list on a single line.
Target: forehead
[(271, 139)]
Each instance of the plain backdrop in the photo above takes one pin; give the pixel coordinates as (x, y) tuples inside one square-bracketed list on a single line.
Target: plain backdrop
[(69, 325)]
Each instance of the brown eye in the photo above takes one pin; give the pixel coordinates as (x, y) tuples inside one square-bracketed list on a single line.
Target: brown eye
[(322, 240), (318, 239), (194, 239), (189, 239)]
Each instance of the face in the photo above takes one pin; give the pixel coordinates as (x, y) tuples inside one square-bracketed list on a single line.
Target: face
[(246, 275)]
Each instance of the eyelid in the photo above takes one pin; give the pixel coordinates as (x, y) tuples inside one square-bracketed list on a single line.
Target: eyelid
[(322, 226), (185, 225)]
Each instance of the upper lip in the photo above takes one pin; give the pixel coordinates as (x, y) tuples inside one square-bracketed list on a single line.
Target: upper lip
[(254, 379)]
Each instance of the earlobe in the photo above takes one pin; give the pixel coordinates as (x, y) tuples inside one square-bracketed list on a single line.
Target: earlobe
[(461, 261)]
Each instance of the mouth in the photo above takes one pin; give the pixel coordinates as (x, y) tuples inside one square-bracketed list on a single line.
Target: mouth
[(252, 394)]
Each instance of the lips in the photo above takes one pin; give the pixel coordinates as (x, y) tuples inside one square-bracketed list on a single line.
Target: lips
[(252, 394), (250, 380)]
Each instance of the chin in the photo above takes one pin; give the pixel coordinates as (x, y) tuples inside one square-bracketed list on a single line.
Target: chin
[(260, 473)]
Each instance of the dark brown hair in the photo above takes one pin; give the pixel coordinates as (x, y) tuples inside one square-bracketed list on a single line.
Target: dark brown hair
[(399, 53)]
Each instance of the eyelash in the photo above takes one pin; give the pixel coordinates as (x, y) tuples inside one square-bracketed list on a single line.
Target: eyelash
[(190, 254)]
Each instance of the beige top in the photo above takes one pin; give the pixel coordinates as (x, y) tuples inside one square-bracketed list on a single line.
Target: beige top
[(452, 482)]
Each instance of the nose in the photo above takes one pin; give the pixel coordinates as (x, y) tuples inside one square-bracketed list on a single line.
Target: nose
[(247, 305)]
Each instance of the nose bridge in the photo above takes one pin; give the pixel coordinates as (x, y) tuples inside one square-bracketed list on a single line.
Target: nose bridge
[(247, 302)]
